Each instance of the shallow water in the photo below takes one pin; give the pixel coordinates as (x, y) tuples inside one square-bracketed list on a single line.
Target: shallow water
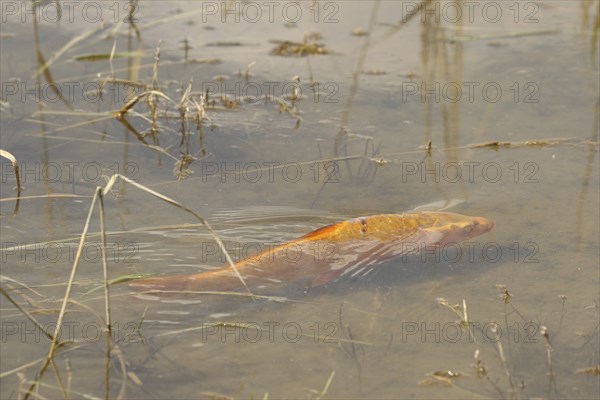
[(259, 179)]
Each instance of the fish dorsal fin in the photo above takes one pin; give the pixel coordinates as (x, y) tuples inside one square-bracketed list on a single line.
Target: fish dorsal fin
[(439, 205), (322, 233)]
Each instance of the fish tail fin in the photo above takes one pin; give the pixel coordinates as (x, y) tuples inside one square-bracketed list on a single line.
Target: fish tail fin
[(166, 283)]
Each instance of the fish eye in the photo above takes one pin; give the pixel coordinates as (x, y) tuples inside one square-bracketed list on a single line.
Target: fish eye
[(468, 228)]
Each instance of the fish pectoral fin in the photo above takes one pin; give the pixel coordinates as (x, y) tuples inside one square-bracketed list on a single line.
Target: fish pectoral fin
[(327, 277), (422, 238)]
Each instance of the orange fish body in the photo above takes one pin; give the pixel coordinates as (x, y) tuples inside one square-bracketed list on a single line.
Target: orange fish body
[(350, 247)]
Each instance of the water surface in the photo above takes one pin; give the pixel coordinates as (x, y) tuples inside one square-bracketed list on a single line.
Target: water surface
[(519, 146)]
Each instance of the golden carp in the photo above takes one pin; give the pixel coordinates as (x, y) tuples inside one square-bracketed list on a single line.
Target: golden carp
[(350, 247)]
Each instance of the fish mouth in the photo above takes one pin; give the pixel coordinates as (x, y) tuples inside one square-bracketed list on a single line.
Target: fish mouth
[(483, 225)]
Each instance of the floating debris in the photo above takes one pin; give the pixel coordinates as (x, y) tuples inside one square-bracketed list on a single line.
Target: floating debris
[(182, 168), (220, 78), (503, 35), (230, 103), (535, 142), (589, 371), (289, 49), (107, 56), (359, 31), (375, 72), (440, 377), (204, 61), (230, 44)]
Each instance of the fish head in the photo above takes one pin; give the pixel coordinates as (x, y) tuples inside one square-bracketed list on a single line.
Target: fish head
[(455, 228)]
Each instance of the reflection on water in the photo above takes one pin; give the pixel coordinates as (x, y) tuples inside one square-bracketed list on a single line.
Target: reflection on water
[(495, 111)]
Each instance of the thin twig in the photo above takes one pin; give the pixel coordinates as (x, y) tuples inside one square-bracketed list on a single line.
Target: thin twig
[(26, 313), (202, 220), (326, 388), (106, 292), (15, 165), (54, 344)]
